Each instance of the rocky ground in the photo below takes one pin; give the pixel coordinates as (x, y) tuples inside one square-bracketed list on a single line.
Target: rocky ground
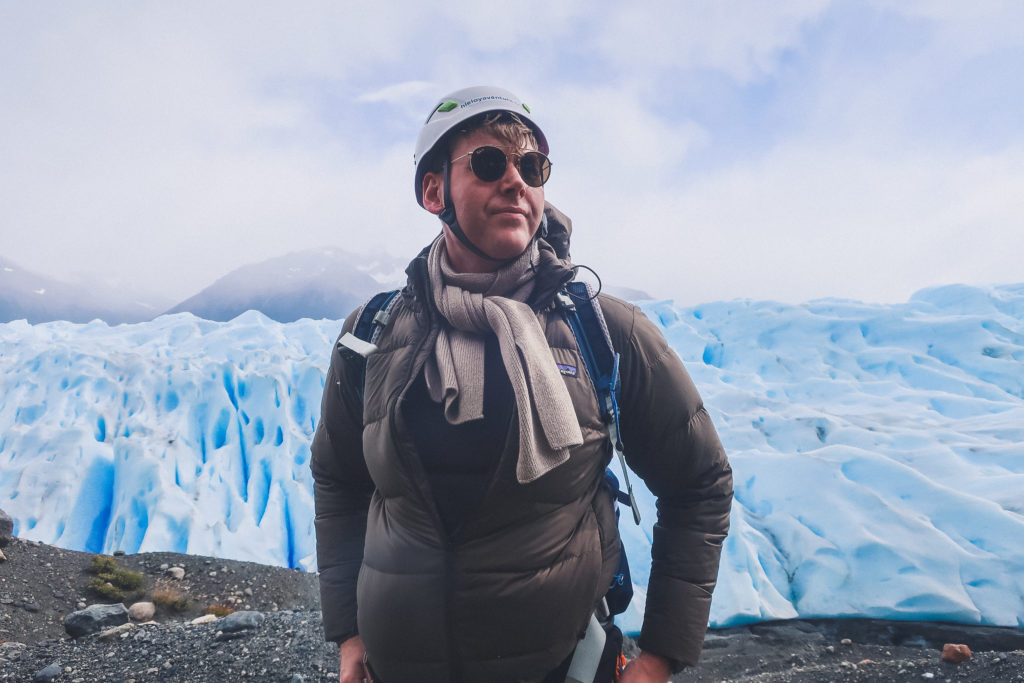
[(275, 634)]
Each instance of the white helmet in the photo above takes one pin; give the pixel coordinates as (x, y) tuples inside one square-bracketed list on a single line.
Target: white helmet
[(456, 108)]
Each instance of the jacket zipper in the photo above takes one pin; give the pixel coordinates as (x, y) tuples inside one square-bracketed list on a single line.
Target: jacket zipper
[(412, 463)]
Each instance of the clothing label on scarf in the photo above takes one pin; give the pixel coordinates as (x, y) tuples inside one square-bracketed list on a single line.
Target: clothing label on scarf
[(567, 370)]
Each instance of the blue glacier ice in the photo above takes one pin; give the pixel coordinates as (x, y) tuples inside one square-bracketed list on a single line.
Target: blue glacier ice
[(878, 450)]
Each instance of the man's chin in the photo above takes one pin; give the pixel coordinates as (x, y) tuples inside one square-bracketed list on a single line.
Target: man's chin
[(511, 248)]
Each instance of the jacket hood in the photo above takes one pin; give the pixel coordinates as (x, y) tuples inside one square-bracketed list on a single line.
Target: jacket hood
[(559, 231)]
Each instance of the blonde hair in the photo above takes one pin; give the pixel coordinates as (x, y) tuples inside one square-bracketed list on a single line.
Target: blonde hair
[(503, 125)]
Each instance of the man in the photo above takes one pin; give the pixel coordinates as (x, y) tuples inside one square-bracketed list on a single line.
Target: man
[(463, 529)]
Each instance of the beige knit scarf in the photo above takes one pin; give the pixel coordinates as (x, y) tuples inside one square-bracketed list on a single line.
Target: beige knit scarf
[(477, 304)]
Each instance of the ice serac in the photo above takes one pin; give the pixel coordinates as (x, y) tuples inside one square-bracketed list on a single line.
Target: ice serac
[(178, 434), (878, 450)]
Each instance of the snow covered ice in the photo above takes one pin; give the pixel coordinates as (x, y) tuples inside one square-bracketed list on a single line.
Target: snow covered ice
[(878, 450)]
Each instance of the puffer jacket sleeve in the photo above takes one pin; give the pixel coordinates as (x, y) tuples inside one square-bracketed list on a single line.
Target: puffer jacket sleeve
[(672, 444), (342, 489)]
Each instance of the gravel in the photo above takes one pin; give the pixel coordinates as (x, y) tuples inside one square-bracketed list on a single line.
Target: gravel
[(275, 632)]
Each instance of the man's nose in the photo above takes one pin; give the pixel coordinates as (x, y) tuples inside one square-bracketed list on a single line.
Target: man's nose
[(512, 177)]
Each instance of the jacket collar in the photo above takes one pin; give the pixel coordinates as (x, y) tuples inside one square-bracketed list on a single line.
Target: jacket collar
[(553, 268)]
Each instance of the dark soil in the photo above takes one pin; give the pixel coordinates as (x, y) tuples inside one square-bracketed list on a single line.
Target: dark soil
[(40, 585)]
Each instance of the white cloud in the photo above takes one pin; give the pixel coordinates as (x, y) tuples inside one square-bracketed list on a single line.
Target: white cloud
[(742, 39), (398, 93), (175, 142), (809, 222), (968, 28)]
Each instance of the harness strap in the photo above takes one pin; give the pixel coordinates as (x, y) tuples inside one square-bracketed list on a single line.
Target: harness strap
[(373, 318), (587, 323)]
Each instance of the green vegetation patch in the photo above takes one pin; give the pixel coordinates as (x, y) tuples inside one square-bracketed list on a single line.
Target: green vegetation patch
[(112, 581)]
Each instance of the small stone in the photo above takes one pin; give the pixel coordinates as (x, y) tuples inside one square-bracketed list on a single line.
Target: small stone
[(117, 631), (865, 661), (30, 606), (928, 675), (164, 567), (830, 649), (3, 558), (47, 674), (955, 653), (846, 641), (118, 553), (248, 592), (176, 573), (205, 619)]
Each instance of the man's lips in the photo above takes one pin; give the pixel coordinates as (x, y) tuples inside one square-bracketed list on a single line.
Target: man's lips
[(511, 209)]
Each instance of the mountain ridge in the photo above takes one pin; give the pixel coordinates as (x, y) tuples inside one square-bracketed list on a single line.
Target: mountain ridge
[(314, 283)]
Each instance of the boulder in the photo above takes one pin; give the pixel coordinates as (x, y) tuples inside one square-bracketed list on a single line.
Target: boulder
[(142, 611), (955, 653), (176, 573), (95, 618), (47, 674), (239, 621), (6, 528)]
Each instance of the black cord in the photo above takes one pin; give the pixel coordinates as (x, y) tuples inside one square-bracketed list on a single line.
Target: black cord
[(600, 285)]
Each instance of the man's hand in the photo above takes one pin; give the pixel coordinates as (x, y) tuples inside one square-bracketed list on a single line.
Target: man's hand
[(352, 667), (647, 668)]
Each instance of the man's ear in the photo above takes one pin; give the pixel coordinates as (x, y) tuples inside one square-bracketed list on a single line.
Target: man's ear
[(433, 193)]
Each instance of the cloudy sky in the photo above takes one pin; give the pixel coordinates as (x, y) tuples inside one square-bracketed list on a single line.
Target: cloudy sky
[(705, 150)]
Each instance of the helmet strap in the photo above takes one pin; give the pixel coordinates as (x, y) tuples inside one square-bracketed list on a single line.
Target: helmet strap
[(447, 215)]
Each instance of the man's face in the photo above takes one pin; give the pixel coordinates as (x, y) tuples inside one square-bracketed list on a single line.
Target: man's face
[(499, 217)]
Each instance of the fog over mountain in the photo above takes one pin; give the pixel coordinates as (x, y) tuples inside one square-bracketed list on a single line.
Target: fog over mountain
[(25, 295), (317, 283)]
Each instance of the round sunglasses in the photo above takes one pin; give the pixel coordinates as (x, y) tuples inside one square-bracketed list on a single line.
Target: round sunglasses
[(489, 164)]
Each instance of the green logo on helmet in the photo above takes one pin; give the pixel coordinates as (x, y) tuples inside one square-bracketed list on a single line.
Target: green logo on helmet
[(525, 107), (447, 106)]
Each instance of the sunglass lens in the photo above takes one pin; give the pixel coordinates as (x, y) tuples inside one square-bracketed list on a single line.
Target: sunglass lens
[(488, 163), (535, 168)]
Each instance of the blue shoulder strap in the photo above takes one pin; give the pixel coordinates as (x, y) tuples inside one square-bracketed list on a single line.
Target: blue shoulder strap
[(586, 321), (361, 342)]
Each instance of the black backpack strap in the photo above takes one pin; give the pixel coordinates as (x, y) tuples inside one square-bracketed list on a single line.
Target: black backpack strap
[(580, 309), (361, 342)]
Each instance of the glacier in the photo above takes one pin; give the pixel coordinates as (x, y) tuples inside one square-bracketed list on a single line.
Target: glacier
[(878, 449)]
